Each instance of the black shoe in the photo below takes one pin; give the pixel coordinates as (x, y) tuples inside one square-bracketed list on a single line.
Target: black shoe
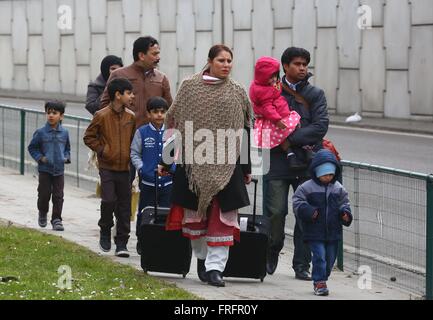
[(216, 278), (201, 271), (42, 220), (57, 225), (121, 251), (272, 262), (105, 241), (303, 275)]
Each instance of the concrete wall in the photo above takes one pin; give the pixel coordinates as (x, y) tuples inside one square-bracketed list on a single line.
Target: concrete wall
[(385, 70)]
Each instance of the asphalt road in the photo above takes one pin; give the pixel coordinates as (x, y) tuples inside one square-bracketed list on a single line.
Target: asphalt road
[(404, 151), (413, 152)]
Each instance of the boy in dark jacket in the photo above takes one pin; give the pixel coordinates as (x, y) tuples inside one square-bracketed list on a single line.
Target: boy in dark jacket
[(322, 205), (51, 149), (96, 88), (146, 154)]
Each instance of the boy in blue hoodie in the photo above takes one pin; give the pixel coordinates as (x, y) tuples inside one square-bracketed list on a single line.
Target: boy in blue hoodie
[(322, 205), (51, 149), (146, 154)]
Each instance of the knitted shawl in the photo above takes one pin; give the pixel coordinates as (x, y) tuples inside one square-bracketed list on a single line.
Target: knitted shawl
[(221, 105)]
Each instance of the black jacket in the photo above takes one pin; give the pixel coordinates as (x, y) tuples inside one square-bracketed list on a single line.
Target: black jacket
[(94, 92), (233, 196), (314, 126)]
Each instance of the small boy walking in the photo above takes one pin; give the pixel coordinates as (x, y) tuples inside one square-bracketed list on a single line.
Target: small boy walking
[(146, 154), (322, 205), (110, 134), (51, 149)]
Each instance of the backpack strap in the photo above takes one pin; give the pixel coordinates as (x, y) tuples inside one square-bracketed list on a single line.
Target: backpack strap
[(298, 97)]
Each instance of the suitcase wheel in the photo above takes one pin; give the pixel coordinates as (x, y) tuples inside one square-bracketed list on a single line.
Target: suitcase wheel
[(184, 275), (261, 279)]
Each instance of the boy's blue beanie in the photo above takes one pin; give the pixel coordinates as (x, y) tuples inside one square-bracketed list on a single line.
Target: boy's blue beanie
[(324, 169)]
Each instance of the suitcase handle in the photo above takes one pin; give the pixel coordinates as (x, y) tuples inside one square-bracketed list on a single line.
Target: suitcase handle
[(255, 181), (156, 193)]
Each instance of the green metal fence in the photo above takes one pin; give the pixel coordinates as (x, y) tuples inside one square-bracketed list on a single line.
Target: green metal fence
[(392, 231), (17, 126)]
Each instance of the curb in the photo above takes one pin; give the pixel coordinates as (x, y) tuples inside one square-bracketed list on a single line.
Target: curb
[(381, 127)]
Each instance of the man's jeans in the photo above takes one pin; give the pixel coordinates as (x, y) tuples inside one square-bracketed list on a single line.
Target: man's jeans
[(275, 206), (324, 255)]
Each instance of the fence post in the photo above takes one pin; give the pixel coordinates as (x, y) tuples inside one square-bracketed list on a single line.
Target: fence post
[(340, 254), (429, 240), (22, 142), (78, 154)]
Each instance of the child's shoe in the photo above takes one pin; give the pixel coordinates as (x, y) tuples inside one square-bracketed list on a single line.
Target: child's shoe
[(105, 241), (121, 251), (57, 225), (321, 289), (42, 220)]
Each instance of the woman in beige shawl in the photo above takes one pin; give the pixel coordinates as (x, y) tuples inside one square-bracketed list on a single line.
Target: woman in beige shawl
[(207, 194)]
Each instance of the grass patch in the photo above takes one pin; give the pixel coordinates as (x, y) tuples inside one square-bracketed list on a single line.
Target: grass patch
[(34, 258)]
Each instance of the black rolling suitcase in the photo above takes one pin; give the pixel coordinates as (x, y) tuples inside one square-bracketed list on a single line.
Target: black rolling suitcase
[(247, 258), (161, 250)]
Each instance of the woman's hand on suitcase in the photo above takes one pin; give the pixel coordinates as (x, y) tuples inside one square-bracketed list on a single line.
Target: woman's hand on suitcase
[(248, 178)]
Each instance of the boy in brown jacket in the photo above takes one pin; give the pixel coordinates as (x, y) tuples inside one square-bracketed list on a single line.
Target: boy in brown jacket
[(110, 134)]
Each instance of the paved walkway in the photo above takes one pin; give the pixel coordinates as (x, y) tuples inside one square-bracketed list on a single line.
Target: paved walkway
[(18, 205)]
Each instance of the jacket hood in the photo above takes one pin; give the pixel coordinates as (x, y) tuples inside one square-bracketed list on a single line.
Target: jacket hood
[(264, 69), (321, 157), (107, 62)]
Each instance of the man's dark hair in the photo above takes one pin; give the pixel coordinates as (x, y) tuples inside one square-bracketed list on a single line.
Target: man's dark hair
[(143, 44), (291, 53), (155, 103), (55, 105), (118, 85)]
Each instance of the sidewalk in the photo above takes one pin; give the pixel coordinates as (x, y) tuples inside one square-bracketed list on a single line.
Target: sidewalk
[(81, 213)]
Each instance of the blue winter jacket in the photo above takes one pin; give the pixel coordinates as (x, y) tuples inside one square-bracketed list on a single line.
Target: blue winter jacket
[(331, 201), (54, 145), (146, 154)]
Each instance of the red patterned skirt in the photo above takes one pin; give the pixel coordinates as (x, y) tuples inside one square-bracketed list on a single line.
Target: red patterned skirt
[(219, 229)]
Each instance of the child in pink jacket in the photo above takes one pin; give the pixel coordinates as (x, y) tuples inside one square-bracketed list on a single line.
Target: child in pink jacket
[(274, 120)]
